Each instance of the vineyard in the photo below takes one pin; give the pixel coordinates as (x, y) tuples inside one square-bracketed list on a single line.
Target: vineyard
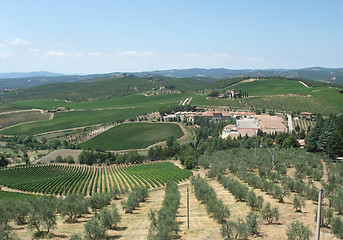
[(58, 179), (137, 135), (11, 119), (303, 123)]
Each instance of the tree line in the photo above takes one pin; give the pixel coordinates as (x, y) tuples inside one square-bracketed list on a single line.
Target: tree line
[(327, 136)]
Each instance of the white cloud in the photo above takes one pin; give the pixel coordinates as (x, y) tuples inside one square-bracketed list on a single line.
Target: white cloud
[(191, 55), (18, 41), (255, 59), (6, 54), (34, 49), (94, 54), (221, 55), (58, 45), (58, 54), (135, 53)]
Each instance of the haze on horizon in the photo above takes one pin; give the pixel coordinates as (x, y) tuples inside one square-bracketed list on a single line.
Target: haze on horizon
[(85, 36)]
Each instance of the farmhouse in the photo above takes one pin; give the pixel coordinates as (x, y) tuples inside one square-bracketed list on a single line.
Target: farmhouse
[(243, 127), (188, 116), (250, 125), (306, 115), (217, 115), (233, 93), (225, 115), (271, 124)]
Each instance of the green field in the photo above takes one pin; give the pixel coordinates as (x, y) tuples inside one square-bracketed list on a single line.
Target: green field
[(272, 86), (280, 95), (67, 120), (10, 119), (126, 101), (65, 179), (7, 107), (133, 136), (201, 100), (14, 195), (323, 102)]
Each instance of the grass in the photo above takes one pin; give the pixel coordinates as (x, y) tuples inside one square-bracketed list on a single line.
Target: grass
[(126, 101), (11, 119), (7, 107), (281, 95), (317, 104), (272, 86), (201, 100), (7, 151), (14, 195), (67, 120), (133, 136)]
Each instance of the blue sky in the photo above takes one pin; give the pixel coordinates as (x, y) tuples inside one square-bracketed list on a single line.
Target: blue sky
[(84, 36)]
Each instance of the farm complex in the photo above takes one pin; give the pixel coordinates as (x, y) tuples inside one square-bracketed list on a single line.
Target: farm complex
[(162, 158)]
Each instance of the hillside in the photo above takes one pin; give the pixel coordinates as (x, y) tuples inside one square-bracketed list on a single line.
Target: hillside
[(106, 88), (24, 80), (279, 94)]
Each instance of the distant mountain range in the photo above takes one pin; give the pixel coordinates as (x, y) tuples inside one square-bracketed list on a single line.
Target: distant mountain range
[(24, 80), (29, 74)]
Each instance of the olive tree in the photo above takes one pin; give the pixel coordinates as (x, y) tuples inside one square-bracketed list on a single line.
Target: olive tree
[(109, 218), (270, 214), (6, 233), (73, 206), (298, 231), (94, 230), (298, 203), (42, 215)]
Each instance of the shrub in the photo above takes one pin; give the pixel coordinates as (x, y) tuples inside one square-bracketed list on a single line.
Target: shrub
[(252, 222), (94, 230), (136, 196), (75, 237), (270, 214), (20, 209), (279, 193), (205, 194), (234, 230), (298, 231), (256, 203), (109, 218), (164, 225), (98, 201), (42, 214), (298, 203), (73, 206), (238, 189), (6, 233), (325, 216), (337, 227), (337, 202)]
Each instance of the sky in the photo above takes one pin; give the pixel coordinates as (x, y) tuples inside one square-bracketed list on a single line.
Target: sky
[(88, 36)]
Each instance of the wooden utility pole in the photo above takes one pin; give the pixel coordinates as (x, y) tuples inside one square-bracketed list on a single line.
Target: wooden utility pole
[(319, 213), (187, 208)]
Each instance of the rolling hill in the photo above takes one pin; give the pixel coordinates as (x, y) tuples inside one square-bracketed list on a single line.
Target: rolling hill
[(24, 80), (106, 88)]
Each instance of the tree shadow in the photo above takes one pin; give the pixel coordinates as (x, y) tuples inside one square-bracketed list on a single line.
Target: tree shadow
[(120, 228), (114, 237), (58, 235)]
